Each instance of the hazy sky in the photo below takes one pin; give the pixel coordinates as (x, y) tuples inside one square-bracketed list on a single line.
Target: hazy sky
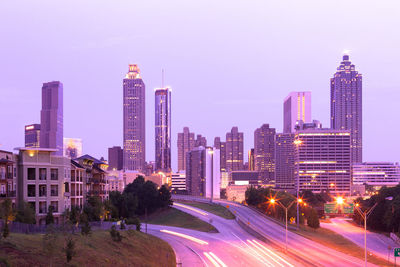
[(229, 63)]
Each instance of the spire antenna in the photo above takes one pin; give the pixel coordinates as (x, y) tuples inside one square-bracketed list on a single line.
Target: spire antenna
[(162, 78)]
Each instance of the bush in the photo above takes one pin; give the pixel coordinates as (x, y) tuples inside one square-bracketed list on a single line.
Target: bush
[(85, 226), (313, 220), (122, 226), (115, 235), (6, 230), (70, 249), (135, 221)]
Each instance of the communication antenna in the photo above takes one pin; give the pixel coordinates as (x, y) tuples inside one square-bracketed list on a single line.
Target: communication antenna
[(162, 78)]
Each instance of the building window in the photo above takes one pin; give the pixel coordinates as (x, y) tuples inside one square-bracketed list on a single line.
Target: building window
[(54, 191), (31, 190), (31, 174), (66, 184), (42, 207), (42, 174), (42, 190), (54, 174), (54, 204)]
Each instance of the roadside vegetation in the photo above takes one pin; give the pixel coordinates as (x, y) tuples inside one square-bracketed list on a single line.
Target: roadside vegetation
[(96, 249), (216, 209), (177, 218)]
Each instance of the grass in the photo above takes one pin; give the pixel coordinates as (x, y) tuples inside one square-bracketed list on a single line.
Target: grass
[(98, 249), (177, 218), (339, 243), (216, 209)]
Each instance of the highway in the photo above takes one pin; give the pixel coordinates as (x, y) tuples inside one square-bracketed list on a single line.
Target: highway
[(311, 252), (377, 244), (232, 246)]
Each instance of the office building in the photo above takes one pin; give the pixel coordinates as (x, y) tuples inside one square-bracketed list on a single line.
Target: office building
[(115, 158), (234, 150), (376, 174), (222, 148), (245, 178), (284, 161), (323, 160), (51, 117), (203, 172), (346, 104), (32, 135), (134, 120), (251, 161), (44, 181), (264, 153), (163, 129), (178, 181), (72, 147), (200, 141), (185, 144), (296, 107)]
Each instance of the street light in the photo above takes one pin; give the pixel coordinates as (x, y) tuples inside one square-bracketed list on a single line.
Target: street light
[(273, 201), (364, 214), (298, 142)]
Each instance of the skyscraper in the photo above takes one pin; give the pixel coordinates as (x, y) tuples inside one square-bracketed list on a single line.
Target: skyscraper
[(252, 166), (200, 141), (284, 158), (134, 120), (51, 117), (115, 158), (163, 129), (185, 144), (222, 148), (264, 153), (32, 135), (234, 150), (72, 147), (346, 104), (296, 107)]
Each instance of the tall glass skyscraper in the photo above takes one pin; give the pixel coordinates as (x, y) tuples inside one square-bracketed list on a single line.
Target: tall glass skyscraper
[(51, 117), (134, 120), (163, 129), (346, 104), (296, 107)]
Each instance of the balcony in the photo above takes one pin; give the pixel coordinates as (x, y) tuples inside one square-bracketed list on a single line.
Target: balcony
[(96, 181), (97, 192)]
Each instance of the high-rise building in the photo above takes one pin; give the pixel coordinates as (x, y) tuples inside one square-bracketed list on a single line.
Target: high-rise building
[(163, 129), (264, 153), (203, 175), (251, 161), (234, 150), (296, 107), (285, 156), (185, 144), (200, 141), (51, 117), (134, 120), (323, 160), (222, 148), (32, 135), (72, 147), (346, 104), (115, 158), (376, 174)]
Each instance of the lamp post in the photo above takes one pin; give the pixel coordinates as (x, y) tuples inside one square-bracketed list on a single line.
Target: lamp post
[(364, 214), (273, 201), (298, 142)]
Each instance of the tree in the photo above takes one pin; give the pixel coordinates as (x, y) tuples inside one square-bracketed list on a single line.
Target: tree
[(115, 235), (85, 226), (69, 249), (7, 213), (94, 208), (49, 216), (253, 196), (25, 213), (313, 220), (49, 241), (164, 197)]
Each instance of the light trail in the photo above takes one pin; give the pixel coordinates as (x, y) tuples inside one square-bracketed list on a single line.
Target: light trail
[(218, 260), (194, 239), (263, 252), (214, 262), (190, 208), (273, 253)]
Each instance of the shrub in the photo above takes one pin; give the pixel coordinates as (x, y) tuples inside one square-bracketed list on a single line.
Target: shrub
[(115, 235), (70, 249), (313, 220), (135, 221)]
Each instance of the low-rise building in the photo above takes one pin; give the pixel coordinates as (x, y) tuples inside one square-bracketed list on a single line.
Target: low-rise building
[(44, 181), (78, 184), (376, 174), (246, 178), (236, 193), (178, 181), (8, 175)]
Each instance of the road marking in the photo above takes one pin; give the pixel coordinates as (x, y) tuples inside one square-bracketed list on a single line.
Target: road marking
[(194, 239), (190, 208)]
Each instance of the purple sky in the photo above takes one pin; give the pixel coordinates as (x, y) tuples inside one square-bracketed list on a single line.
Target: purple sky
[(229, 63)]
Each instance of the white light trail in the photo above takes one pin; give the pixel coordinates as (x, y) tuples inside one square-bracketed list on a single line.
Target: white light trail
[(190, 208), (211, 259), (263, 252), (218, 260), (194, 239), (273, 253)]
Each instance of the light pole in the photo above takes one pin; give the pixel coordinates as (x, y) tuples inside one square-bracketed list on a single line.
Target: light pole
[(273, 201), (364, 214), (298, 142)]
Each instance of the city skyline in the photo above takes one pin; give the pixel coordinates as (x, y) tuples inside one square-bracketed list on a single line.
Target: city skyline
[(224, 101)]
